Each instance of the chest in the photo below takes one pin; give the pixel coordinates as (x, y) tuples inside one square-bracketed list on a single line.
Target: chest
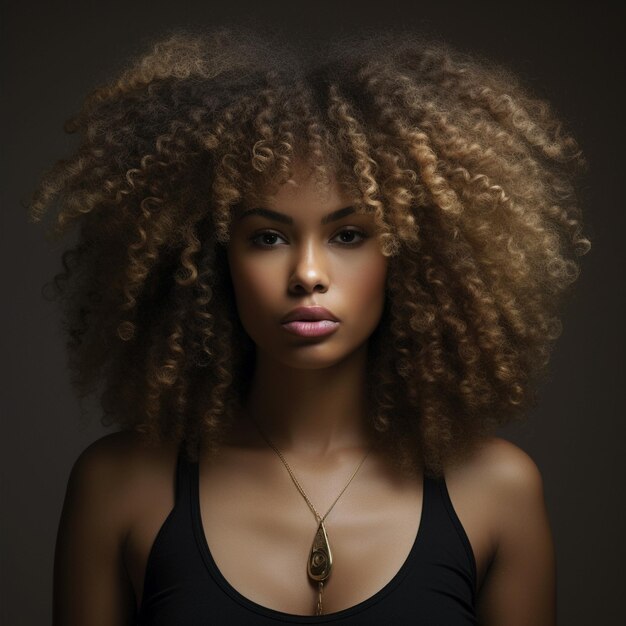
[(261, 542), (259, 532)]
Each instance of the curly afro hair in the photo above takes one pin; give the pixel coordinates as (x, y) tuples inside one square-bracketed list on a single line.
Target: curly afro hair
[(469, 177)]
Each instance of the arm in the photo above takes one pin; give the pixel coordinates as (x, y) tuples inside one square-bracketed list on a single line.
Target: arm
[(91, 585), (520, 587)]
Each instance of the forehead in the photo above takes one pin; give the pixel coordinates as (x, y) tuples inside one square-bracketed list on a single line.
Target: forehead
[(302, 195)]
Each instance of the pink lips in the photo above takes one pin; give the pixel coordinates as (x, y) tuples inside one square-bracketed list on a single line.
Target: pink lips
[(311, 329), (311, 321)]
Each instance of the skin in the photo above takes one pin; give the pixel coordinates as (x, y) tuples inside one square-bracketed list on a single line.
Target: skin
[(307, 395), (338, 265)]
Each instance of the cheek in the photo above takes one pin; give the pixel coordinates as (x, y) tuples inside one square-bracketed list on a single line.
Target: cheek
[(364, 289), (255, 287)]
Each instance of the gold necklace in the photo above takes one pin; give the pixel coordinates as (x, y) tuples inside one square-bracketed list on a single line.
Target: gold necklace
[(320, 560)]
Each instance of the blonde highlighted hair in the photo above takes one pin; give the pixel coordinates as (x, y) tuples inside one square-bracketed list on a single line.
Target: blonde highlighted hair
[(470, 179)]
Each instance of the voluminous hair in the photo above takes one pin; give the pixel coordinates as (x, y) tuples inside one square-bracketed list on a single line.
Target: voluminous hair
[(469, 177)]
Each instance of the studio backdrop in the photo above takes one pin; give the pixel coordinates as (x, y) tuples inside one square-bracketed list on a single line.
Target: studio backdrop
[(55, 52)]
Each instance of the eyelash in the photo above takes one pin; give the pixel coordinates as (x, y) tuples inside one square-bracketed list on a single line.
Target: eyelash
[(345, 230)]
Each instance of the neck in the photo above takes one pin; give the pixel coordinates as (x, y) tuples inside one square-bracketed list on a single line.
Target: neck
[(310, 412)]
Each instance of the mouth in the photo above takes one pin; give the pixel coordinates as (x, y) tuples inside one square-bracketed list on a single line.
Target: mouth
[(311, 328), (314, 313)]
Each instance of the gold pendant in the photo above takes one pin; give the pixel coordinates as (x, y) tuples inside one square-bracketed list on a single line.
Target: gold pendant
[(321, 558)]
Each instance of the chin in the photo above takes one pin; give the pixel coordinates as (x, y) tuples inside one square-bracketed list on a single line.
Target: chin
[(313, 356)]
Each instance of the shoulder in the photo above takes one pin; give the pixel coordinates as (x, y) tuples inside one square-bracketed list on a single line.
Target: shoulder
[(110, 458), (111, 482), (520, 585), (504, 482), (510, 475), (119, 452), (513, 496), (115, 473), (501, 466), (107, 453), (507, 467)]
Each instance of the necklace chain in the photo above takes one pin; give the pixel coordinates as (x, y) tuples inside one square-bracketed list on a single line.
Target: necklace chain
[(299, 487), (320, 520)]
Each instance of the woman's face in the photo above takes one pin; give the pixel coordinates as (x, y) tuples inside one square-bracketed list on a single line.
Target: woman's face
[(300, 258)]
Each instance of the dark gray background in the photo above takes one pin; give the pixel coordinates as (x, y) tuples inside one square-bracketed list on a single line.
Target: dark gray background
[(54, 53)]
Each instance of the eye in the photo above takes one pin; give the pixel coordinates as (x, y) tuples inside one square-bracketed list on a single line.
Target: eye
[(266, 235), (351, 232)]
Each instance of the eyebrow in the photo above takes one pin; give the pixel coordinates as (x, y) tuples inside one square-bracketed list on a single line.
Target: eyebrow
[(286, 219)]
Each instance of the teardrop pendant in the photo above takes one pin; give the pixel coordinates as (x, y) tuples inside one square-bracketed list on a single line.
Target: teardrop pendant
[(321, 558)]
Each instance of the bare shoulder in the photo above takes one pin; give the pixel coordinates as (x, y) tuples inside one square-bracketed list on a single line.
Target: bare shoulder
[(121, 451), (107, 453), (501, 468), (492, 489), (511, 482), (507, 466), (110, 484), (118, 471), (519, 587)]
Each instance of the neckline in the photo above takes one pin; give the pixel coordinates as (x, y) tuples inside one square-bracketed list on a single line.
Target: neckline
[(209, 561)]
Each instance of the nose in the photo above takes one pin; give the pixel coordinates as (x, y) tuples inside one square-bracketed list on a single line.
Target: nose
[(309, 273)]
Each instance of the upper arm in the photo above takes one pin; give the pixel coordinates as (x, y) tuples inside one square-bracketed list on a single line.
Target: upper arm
[(520, 586), (91, 585)]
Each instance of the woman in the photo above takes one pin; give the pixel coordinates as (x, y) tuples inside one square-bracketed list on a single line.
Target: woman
[(309, 290)]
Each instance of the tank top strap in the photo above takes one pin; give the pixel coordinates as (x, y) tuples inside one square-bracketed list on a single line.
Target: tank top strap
[(430, 496), (437, 501), (182, 475), (441, 513)]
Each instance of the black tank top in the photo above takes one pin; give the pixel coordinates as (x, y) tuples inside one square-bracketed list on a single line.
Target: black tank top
[(435, 586)]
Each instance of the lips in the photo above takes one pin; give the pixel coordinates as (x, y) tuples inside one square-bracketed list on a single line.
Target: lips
[(309, 313)]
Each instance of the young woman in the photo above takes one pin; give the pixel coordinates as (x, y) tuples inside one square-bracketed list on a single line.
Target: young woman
[(308, 290)]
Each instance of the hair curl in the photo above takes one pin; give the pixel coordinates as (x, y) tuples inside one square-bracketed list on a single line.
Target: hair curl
[(469, 177)]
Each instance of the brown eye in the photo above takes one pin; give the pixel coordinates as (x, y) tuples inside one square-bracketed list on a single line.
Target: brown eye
[(352, 232), (264, 236)]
